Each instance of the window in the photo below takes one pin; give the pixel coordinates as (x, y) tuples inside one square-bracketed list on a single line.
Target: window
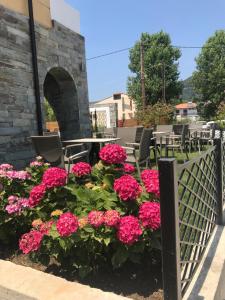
[(185, 112), (116, 96), (177, 111)]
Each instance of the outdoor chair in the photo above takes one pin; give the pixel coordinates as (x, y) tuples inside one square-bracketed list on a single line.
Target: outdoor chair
[(141, 156), (126, 135), (179, 140), (52, 151), (110, 132)]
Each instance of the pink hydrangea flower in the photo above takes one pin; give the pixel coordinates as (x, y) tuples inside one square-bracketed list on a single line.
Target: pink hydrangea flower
[(113, 154), (127, 188), (20, 175), (81, 169), (6, 167), (54, 177), (111, 218), (96, 218), (149, 214), (150, 179), (36, 195), (128, 168), (36, 164), (67, 224), (30, 241), (16, 204), (129, 230)]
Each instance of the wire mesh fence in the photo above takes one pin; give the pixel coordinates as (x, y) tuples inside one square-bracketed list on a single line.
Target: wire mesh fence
[(191, 205)]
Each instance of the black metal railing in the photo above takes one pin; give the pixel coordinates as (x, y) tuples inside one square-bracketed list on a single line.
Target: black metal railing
[(191, 198)]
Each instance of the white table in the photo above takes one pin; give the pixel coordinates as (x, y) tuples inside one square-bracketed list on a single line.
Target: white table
[(100, 141), (94, 148)]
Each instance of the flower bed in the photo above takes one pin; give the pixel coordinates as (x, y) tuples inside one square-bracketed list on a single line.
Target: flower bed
[(94, 216)]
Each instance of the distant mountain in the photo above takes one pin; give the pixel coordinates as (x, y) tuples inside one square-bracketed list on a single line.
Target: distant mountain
[(188, 89)]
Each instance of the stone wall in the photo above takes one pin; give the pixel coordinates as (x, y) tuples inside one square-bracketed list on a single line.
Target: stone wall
[(58, 47)]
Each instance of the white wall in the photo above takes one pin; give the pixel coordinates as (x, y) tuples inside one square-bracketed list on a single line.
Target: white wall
[(65, 15)]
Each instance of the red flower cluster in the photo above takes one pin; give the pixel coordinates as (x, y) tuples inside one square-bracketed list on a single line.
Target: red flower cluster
[(30, 241), (67, 224), (112, 154), (127, 188), (96, 218), (129, 230), (128, 168), (81, 169), (111, 218), (54, 177), (149, 214), (36, 195), (150, 179)]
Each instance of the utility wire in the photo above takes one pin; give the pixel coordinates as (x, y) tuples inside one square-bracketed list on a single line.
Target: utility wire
[(178, 47)]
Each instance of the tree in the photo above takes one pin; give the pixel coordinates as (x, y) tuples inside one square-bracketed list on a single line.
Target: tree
[(49, 113), (160, 66), (209, 79)]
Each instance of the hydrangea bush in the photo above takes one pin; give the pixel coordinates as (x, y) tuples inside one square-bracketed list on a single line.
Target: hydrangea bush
[(94, 215)]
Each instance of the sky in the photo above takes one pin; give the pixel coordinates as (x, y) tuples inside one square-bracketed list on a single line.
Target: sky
[(117, 24)]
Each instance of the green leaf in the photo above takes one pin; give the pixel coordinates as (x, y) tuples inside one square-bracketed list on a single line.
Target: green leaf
[(84, 271)]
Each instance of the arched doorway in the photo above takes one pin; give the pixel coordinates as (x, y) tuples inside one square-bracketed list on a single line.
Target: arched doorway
[(61, 93)]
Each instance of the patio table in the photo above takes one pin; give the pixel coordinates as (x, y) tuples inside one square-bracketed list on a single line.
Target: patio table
[(95, 142)]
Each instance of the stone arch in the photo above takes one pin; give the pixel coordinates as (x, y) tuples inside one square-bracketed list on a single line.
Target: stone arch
[(61, 93)]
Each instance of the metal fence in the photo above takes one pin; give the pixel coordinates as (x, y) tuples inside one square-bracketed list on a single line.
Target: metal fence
[(191, 198)]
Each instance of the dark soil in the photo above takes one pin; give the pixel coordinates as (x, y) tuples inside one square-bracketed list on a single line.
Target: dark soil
[(139, 282)]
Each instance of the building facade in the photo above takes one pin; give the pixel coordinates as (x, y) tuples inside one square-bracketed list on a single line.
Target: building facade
[(113, 110), (187, 110), (62, 75)]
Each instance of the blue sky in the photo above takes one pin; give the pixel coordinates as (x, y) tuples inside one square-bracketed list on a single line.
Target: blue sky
[(112, 25)]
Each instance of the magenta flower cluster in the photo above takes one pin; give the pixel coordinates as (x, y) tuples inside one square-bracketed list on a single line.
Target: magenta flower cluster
[(127, 188), (150, 179), (16, 204), (96, 218), (54, 177), (112, 154), (30, 241), (129, 230), (81, 169), (111, 218), (128, 168), (149, 214), (36, 195), (67, 224)]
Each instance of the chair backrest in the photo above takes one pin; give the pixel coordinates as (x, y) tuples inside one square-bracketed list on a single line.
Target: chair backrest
[(164, 128), (177, 129), (145, 143), (50, 148), (138, 135), (112, 131), (126, 135)]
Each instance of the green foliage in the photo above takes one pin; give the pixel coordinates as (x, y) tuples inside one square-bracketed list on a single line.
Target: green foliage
[(209, 79), (49, 113), (157, 114), (158, 54), (88, 248)]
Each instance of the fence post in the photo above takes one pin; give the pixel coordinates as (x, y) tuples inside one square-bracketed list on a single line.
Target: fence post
[(219, 178), (170, 229)]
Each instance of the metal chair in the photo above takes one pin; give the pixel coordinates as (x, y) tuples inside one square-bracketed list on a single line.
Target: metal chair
[(178, 140), (51, 149), (143, 156)]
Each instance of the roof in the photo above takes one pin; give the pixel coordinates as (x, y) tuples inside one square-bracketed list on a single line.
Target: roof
[(186, 105)]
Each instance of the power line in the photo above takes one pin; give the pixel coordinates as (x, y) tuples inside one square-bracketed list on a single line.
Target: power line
[(174, 46)]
